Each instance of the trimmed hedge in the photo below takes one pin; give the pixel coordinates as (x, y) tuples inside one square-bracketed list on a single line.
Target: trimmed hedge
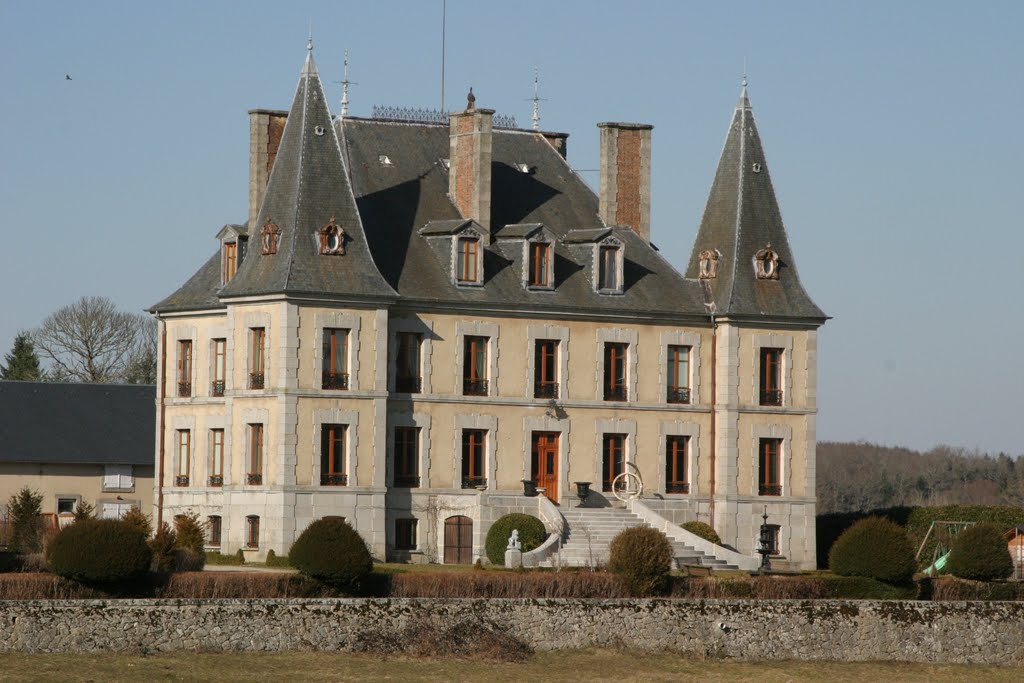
[(213, 557), (273, 560), (331, 551), (642, 557), (99, 551), (875, 548), (980, 553), (531, 534), (705, 531)]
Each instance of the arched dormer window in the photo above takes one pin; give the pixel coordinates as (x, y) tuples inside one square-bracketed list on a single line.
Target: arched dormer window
[(609, 260), (332, 239), (468, 259), (709, 264), (766, 264), (269, 237)]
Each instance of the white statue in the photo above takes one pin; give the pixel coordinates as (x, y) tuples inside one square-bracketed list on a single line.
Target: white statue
[(513, 541)]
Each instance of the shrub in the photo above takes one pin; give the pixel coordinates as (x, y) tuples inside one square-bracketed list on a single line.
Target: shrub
[(642, 558), (162, 545), (99, 551), (189, 531), (217, 558), (980, 553), (138, 519), (876, 548), (9, 562), (531, 534), (26, 511), (331, 551), (273, 560), (84, 511), (705, 531)]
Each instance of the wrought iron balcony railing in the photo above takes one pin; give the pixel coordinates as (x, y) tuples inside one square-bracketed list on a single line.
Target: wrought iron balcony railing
[(474, 387), (771, 397), (254, 478), (256, 380), (333, 479), (677, 487), (616, 393), (407, 481), (216, 480), (184, 389), (408, 385), (678, 395), (335, 380), (181, 480), (217, 387), (769, 490), (545, 390), (474, 482)]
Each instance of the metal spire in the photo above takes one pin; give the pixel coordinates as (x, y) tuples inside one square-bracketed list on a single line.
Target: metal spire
[(536, 99), (344, 88), (309, 42)]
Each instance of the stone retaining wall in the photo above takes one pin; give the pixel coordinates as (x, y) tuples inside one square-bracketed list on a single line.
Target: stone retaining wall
[(977, 632)]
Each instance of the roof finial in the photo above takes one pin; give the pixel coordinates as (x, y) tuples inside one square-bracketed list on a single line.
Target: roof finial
[(744, 81), (344, 88), (309, 41), (536, 98), (470, 100)]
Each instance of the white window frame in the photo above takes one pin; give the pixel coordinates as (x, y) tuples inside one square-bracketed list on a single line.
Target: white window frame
[(118, 478)]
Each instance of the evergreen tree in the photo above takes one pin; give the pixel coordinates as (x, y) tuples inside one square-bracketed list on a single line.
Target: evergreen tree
[(26, 511), (21, 363)]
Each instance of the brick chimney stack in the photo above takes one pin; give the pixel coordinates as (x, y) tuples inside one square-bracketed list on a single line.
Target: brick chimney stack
[(469, 171), (625, 191), (265, 129)]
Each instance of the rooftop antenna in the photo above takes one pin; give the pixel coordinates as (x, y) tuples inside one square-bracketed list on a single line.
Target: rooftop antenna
[(444, 21), (536, 99), (344, 88)]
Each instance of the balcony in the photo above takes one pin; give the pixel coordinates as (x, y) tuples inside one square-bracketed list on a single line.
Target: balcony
[(546, 390), (256, 380), (771, 397), (181, 480), (335, 380), (254, 479), (474, 387), (616, 393), (216, 480), (408, 385), (406, 482), (184, 389), (678, 395), (474, 482), (769, 490), (333, 479), (677, 487), (217, 387)]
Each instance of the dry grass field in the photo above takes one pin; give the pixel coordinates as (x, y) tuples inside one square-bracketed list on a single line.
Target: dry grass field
[(590, 665)]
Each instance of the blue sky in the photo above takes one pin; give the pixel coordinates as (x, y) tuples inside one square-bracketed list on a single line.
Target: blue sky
[(889, 129)]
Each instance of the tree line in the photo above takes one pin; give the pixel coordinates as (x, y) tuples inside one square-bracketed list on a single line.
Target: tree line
[(861, 476), (90, 341)]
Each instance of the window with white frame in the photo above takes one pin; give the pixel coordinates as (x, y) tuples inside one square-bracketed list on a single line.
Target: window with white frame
[(468, 260), (118, 478), (184, 457)]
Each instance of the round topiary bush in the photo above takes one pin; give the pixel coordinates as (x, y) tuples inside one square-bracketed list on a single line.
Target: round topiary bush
[(642, 557), (531, 534), (980, 553), (333, 552), (99, 551), (705, 531), (875, 547)]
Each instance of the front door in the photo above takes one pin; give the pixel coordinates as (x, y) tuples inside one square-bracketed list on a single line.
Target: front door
[(458, 540), (544, 463)]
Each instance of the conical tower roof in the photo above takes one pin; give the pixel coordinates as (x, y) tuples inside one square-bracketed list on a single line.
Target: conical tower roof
[(309, 188), (741, 221)]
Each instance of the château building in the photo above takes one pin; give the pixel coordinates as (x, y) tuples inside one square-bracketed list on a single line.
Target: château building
[(418, 316)]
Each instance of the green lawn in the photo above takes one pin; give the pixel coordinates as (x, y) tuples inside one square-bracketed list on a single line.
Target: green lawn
[(590, 665)]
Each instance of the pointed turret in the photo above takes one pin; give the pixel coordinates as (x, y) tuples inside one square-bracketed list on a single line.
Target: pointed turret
[(308, 237), (741, 254)]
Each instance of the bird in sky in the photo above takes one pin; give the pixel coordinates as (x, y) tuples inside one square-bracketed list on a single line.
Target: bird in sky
[(67, 77)]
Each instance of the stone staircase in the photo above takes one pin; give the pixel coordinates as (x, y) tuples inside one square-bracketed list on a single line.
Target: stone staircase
[(589, 532)]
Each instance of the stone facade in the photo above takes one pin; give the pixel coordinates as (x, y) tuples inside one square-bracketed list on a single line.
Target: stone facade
[(975, 633)]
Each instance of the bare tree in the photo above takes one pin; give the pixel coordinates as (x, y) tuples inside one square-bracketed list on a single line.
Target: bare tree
[(90, 340)]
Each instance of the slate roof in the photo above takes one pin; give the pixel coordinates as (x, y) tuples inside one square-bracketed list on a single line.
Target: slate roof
[(47, 422), (741, 217), (397, 215)]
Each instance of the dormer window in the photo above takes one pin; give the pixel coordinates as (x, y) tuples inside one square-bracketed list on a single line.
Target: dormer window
[(540, 264), (230, 255), (609, 266), (709, 264), (766, 264), (467, 264), (269, 238), (332, 239)]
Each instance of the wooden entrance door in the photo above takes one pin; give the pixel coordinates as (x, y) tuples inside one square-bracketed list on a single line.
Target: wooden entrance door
[(544, 463), (458, 540)]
